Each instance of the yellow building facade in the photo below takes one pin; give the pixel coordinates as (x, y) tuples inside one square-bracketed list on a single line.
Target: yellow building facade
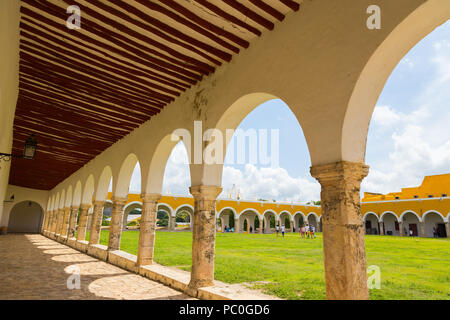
[(418, 211)]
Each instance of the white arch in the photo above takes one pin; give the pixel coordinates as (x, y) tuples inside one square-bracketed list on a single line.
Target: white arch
[(301, 213), (313, 213), (62, 199), (270, 211), (409, 211), (76, 199), (158, 163), (56, 204), (182, 206), (433, 211), (132, 203), (390, 212), (251, 210), (88, 191), (69, 195), (103, 184), (236, 215), (291, 217), (166, 205), (122, 185), (372, 213), (406, 35)]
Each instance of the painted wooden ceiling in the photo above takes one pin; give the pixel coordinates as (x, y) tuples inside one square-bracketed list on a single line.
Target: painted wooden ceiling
[(82, 90)]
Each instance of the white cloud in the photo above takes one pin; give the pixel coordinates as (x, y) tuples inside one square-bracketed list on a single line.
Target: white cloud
[(270, 183), (421, 138)]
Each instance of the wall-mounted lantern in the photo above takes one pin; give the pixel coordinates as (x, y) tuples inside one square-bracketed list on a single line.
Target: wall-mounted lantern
[(29, 150)]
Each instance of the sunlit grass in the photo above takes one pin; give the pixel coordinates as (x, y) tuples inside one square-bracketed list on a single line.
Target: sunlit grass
[(292, 268)]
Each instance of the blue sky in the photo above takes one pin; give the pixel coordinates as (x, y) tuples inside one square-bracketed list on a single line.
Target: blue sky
[(409, 135)]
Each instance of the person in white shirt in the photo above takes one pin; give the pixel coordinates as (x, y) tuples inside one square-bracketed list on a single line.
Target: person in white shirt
[(313, 235), (307, 231), (282, 230), (278, 229)]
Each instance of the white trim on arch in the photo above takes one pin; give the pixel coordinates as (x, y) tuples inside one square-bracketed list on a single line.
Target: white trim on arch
[(184, 205), (391, 212), (251, 210), (131, 203), (168, 206), (291, 217), (409, 211), (301, 213), (236, 215), (313, 213), (433, 211), (372, 213)]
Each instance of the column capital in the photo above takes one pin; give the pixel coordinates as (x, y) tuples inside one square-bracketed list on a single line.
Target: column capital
[(85, 206), (338, 171), (119, 200), (99, 203), (74, 208), (205, 192), (151, 197)]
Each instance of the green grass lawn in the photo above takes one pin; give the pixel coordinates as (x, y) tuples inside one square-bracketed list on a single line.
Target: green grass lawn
[(292, 268)]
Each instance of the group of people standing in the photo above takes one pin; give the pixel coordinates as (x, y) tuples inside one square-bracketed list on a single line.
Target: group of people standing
[(305, 231)]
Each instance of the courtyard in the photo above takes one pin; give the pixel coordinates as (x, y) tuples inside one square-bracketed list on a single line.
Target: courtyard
[(292, 267)]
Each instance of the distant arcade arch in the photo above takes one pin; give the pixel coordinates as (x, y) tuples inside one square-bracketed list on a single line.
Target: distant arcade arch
[(25, 217)]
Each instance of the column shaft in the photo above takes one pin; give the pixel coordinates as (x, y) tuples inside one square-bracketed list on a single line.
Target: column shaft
[(343, 230), (260, 226), (381, 226), (73, 222), (96, 223), (115, 231), (59, 221), (236, 226), (147, 229), (82, 223), (422, 234), (447, 228), (65, 223), (204, 234)]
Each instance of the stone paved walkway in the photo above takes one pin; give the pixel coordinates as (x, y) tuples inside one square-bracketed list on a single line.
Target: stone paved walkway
[(35, 267)]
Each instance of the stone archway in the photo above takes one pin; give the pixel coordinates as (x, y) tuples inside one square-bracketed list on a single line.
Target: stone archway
[(25, 217), (434, 225), (410, 222), (390, 224), (371, 223)]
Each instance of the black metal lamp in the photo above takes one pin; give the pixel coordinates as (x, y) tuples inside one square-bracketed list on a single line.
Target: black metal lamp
[(30, 147), (29, 150)]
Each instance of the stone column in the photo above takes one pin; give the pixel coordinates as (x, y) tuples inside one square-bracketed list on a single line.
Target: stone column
[(125, 221), (52, 221), (423, 234), (148, 227), (65, 224), (59, 222), (381, 227), (204, 234), (171, 223), (447, 229), (222, 225), (115, 231), (291, 226), (72, 222), (96, 223), (236, 226), (400, 228), (82, 223), (343, 229), (260, 225)]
